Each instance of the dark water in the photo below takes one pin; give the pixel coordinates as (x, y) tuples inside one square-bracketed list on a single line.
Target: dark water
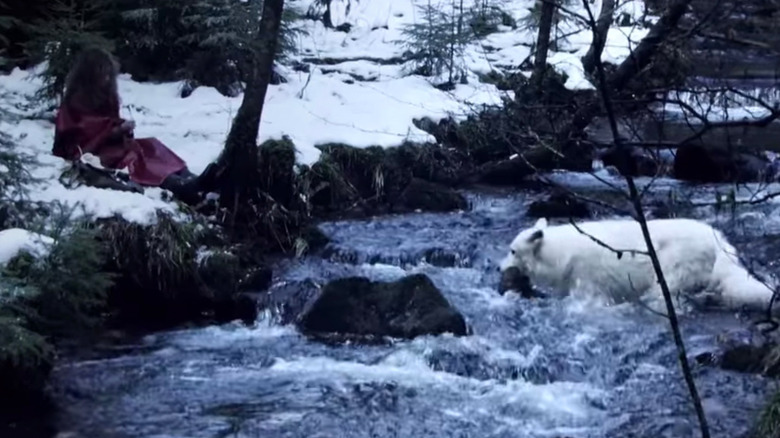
[(556, 368)]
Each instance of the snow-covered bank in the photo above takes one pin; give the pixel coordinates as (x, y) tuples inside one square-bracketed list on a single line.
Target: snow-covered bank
[(15, 240), (327, 104)]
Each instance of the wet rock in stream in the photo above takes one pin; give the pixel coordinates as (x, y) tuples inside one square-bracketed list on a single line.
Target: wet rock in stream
[(702, 164), (407, 308), (747, 352)]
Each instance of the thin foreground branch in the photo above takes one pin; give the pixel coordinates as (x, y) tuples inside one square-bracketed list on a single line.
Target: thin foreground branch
[(677, 10), (618, 252)]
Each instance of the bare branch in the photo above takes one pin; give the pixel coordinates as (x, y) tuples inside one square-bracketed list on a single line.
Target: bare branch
[(757, 123), (618, 252), (673, 15), (628, 69), (735, 39)]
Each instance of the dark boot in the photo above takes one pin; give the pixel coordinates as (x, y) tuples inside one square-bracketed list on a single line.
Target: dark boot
[(207, 181), (185, 173), (184, 189)]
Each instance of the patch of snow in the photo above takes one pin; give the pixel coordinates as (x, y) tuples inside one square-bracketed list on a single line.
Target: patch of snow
[(15, 240), (713, 113), (569, 64)]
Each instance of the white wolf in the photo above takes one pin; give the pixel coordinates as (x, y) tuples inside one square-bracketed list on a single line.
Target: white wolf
[(693, 256)]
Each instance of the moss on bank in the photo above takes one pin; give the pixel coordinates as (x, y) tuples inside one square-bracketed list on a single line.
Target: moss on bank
[(365, 181), (769, 422), (26, 357), (171, 272)]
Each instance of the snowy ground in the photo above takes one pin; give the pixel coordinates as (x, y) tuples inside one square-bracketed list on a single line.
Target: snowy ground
[(326, 105)]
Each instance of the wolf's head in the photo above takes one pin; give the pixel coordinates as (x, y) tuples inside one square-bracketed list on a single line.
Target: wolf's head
[(515, 267)]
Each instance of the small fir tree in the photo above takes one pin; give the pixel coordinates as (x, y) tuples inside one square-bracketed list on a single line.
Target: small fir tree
[(289, 33), (485, 16), (43, 299), (67, 287), (438, 42), (70, 27), (205, 42), (20, 347), (532, 20), (7, 22), (15, 208), (148, 35)]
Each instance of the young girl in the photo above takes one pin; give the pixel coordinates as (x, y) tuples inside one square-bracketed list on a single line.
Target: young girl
[(88, 121)]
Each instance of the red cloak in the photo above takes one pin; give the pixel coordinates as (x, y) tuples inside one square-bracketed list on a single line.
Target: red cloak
[(79, 131)]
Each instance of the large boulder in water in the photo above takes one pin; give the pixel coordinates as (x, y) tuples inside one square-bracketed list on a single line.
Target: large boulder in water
[(406, 308), (348, 181), (697, 163)]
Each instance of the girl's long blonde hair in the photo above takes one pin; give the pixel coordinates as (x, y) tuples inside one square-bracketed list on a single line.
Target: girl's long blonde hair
[(91, 83)]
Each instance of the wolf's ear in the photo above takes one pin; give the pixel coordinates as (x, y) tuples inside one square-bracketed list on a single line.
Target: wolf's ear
[(541, 223), (536, 237)]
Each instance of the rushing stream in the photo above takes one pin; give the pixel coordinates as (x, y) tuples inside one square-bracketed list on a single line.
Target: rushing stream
[(552, 368)]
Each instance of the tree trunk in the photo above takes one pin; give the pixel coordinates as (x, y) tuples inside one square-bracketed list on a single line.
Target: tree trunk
[(240, 176), (599, 36), (543, 40)]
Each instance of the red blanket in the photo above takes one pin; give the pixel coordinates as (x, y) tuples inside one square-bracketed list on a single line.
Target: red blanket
[(147, 160)]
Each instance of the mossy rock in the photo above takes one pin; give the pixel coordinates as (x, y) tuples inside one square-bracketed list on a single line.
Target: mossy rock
[(377, 180), (434, 163), (356, 306), (371, 171), (256, 280), (768, 425), (221, 272), (276, 163), (227, 279), (311, 239), (348, 178), (314, 237), (155, 268), (427, 196), (160, 281)]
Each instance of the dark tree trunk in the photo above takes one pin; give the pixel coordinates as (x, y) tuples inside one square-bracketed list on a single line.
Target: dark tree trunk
[(636, 200), (543, 40), (240, 177), (599, 37)]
